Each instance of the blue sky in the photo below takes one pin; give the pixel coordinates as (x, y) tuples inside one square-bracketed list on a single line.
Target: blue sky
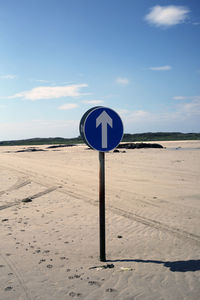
[(60, 58)]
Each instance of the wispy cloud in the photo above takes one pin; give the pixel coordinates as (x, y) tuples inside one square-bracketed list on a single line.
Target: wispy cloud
[(161, 68), (167, 16), (135, 115), (39, 80), (190, 98), (122, 81), (184, 117), (196, 23), (8, 76), (68, 106), (191, 108), (180, 98), (94, 102), (49, 92)]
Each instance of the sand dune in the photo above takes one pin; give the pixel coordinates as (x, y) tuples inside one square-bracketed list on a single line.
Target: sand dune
[(50, 242)]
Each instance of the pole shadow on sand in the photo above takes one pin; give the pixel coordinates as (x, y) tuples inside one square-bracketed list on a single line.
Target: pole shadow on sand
[(174, 266)]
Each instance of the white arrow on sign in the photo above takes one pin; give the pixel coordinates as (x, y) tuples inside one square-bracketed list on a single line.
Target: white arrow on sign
[(104, 119)]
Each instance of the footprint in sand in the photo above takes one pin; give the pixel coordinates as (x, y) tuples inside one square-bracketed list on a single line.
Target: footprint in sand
[(46, 251), (110, 290), (72, 294), (94, 283), (8, 288), (42, 260), (49, 266)]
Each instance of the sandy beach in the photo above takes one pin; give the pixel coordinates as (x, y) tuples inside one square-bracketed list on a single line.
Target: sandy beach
[(50, 223)]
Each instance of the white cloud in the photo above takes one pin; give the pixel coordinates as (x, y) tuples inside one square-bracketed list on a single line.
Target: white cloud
[(8, 76), (192, 107), (39, 80), (180, 98), (93, 102), (167, 15), (184, 117), (161, 68), (68, 106), (190, 98), (122, 81), (49, 92), (132, 116)]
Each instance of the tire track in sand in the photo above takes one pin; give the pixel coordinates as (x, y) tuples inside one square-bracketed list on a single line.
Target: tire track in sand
[(130, 215), (141, 219), (19, 184), (156, 224), (12, 266), (47, 191)]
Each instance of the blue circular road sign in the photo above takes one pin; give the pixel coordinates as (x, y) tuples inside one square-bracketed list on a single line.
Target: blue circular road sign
[(101, 128)]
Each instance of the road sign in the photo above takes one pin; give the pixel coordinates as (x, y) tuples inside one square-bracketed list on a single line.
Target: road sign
[(101, 128)]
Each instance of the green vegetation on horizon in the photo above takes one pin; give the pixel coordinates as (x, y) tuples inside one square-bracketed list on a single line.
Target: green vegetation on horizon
[(138, 137)]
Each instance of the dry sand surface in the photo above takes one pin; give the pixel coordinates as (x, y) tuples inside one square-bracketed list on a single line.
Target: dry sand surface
[(50, 245)]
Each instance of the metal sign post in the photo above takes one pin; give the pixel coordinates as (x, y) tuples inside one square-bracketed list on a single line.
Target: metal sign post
[(102, 129), (102, 224)]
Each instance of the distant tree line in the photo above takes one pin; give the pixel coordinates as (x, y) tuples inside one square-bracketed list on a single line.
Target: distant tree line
[(138, 137), (42, 141), (160, 136)]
